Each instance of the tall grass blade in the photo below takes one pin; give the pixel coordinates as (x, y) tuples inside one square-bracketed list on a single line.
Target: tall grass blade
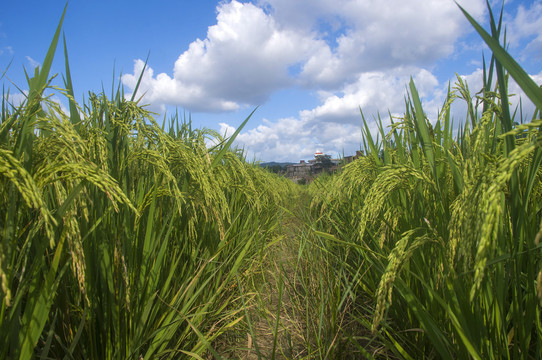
[(423, 130), (369, 138), (218, 157), (139, 78), (525, 82), (74, 113)]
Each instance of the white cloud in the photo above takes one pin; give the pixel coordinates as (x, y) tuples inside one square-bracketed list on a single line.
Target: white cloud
[(516, 93), (351, 53), (163, 90), (16, 99), (9, 50), (292, 139), (335, 126), (254, 50), (245, 57), (334, 130), (33, 63), (372, 92), (475, 84), (525, 30), (382, 35)]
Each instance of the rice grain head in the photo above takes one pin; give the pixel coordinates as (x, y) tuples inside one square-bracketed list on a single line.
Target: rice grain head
[(15, 172), (396, 259), (493, 203), (388, 181)]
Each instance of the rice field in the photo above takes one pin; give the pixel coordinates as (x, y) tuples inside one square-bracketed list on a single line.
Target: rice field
[(126, 238)]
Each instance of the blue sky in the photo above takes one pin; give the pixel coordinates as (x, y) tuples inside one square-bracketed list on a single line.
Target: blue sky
[(308, 64)]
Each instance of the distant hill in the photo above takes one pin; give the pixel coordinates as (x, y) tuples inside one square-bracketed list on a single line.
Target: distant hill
[(273, 163), (276, 167)]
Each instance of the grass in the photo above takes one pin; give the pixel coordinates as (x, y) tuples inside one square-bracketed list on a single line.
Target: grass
[(125, 238)]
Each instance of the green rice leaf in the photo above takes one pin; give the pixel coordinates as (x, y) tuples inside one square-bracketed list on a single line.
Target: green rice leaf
[(527, 84), (74, 113), (421, 126), (218, 158)]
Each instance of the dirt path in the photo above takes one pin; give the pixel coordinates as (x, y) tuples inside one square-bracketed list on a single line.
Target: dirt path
[(276, 322)]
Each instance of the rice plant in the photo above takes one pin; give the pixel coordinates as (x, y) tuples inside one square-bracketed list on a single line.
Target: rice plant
[(121, 238), (125, 238), (447, 225)]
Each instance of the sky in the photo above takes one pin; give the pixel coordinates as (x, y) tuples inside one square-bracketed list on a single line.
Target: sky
[(307, 65)]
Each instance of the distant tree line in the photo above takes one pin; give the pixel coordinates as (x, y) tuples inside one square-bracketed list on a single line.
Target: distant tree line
[(276, 168)]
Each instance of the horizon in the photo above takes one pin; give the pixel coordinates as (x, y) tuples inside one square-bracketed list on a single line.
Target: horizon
[(309, 66)]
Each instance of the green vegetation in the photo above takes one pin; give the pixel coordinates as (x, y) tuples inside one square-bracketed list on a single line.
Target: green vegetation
[(276, 168), (436, 235), (324, 161), (123, 238)]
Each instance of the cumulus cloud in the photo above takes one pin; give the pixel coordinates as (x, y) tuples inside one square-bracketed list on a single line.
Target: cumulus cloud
[(291, 138), (372, 92), (335, 126), (245, 57), (16, 99), (163, 90), (255, 49), (375, 35), (9, 50), (349, 53), (33, 63), (516, 95), (527, 24)]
